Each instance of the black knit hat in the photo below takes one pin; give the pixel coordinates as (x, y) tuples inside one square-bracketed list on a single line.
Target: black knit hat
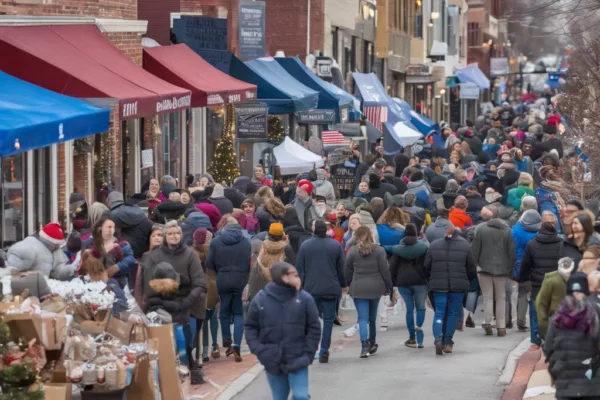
[(164, 270), (278, 271), (410, 230), (74, 242), (320, 228), (578, 282)]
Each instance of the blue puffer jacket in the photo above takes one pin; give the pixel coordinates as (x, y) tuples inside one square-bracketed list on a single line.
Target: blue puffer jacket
[(320, 264), (192, 222), (229, 256), (283, 329), (390, 236), (521, 236)]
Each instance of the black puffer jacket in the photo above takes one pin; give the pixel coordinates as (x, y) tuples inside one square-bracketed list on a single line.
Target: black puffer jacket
[(135, 226), (235, 196), (406, 264), (570, 249), (229, 256), (540, 257), (449, 265)]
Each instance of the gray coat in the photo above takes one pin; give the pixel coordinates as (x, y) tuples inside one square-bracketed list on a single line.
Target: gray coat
[(31, 254), (368, 275), (437, 230), (34, 282), (494, 248)]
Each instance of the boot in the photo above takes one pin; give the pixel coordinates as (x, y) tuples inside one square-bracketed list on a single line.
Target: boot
[(236, 353), (488, 330), (509, 325), (215, 352), (447, 348), (364, 353), (196, 374), (439, 348), (373, 347), (469, 323), (324, 358), (501, 332)]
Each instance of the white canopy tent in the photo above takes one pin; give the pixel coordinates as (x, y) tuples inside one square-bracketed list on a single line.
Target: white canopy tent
[(403, 134), (295, 159)]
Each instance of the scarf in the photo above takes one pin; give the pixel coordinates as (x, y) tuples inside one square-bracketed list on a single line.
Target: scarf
[(577, 316)]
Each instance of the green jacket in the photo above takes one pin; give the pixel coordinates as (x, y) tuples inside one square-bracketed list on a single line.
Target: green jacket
[(552, 292), (515, 195)]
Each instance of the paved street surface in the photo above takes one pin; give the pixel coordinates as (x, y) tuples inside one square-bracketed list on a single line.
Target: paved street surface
[(399, 372)]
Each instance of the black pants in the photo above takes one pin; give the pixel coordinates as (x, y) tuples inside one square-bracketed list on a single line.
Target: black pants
[(187, 331)]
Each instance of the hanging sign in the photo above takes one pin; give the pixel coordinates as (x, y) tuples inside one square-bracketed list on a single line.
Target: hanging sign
[(147, 158), (343, 177), (252, 29), (316, 117), (469, 91), (417, 70), (251, 121), (324, 65)]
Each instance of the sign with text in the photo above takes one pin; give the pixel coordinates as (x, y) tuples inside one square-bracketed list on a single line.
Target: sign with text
[(316, 117), (251, 121), (206, 36), (252, 18), (147, 158), (343, 177), (499, 66), (469, 91), (323, 65)]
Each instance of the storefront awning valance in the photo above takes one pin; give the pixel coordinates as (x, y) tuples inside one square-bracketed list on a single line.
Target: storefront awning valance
[(276, 87), (472, 74), (32, 117), (421, 122), (78, 61), (329, 99), (181, 66)]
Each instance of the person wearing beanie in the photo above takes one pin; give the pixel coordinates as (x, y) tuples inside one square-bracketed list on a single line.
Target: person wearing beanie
[(494, 255), (320, 265), (379, 188), (218, 198), (522, 232), (406, 268), (540, 257), (418, 215), (133, 222), (267, 332), (552, 292), (525, 188), (458, 214), (303, 205), (42, 252), (78, 209), (73, 246), (194, 220)]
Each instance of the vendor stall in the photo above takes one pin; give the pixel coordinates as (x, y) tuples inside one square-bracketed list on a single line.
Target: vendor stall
[(293, 159)]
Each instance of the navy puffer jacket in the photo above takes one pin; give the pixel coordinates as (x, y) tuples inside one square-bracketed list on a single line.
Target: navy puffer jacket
[(449, 265), (283, 329), (229, 256)]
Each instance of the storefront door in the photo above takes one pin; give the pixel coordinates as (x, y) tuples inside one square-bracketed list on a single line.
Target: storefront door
[(172, 145)]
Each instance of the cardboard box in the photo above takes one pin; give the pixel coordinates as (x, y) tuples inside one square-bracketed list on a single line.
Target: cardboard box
[(170, 385), (54, 391), (50, 331)]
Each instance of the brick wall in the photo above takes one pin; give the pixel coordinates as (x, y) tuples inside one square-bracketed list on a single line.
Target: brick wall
[(123, 9), (158, 15)]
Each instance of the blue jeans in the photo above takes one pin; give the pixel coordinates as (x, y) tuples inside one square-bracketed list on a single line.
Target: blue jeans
[(414, 297), (367, 318), (231, 304), (327, 307), (533, 322), (213, 321), (297, 382), (447, 306)]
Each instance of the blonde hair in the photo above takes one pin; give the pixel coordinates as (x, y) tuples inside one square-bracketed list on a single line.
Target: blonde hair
[(364, 239), (548, 216), (394, 215), (95, 212), (354, 216)]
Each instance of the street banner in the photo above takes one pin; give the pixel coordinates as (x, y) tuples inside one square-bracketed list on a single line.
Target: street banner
[(251, 121), (252, 16)]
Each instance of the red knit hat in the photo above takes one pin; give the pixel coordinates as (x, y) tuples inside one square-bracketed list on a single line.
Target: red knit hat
[(53, 233), (306, 185)]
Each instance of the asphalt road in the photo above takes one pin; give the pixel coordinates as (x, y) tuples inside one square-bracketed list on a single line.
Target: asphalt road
[(397, 372)]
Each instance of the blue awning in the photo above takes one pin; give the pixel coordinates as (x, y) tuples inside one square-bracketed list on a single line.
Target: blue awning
[(397, 135), (328, 99), (35, 117), (421, 122), (472, 74), (371, 91), (276, 87)]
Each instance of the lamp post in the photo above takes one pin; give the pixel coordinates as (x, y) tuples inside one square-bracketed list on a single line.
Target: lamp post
[(522, 59)]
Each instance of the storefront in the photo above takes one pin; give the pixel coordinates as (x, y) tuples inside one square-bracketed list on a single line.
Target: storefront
[(35, 121), (420, 88)]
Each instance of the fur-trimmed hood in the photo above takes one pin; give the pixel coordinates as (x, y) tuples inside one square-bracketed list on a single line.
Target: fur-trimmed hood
[(164, 286)]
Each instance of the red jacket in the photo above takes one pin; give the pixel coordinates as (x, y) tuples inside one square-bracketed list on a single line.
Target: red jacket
[(459, 218)]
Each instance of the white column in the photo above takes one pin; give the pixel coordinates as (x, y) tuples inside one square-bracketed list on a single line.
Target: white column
[(54, 186)]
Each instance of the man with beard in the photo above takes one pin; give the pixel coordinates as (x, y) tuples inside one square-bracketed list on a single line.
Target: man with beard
[(321, 207)]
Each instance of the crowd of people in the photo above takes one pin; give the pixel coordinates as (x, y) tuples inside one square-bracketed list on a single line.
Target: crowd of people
[(481, 210)]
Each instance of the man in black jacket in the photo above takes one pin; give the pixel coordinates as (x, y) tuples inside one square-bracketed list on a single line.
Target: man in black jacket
[(133, 221), (450, 268), (320, 265)]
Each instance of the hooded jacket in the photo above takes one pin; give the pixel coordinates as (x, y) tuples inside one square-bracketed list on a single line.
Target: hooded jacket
[(235, 196), (368, 221), (271, 211), (170, 210), (406, 264), (229, 255), (283, 329), (134, 223), (260, 274), (522, 232), (368, 275), (33, 254), (540, 257), (390, 235), (449, 265), (460, 218), (320, 264), (437, 230), (515, 195), (220, 201), (494, 248), (422, 192), (551, 294), (192, 222), (324, 188)]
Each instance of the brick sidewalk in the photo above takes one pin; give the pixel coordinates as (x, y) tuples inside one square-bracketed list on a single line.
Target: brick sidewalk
[(525, 368)]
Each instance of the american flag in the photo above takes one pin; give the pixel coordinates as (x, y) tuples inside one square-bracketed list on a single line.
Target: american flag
[(376, 115), (333, 137)]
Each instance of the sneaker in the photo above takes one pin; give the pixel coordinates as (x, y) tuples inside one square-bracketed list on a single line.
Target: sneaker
[(501, 332), (488, 330), (469, 323), (411, 343), (215, 352), (509, 325), (236, 353), (372, 347), (324, 358), (364, 352), (421, 346), (447, 348), (438, 349)]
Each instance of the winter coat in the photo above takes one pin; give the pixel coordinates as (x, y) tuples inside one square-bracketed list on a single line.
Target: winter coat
[(190, 297), (570, 353), (32, 254), (552, 292), (368, 221), (163, 296), (515, 195), (494, 248), (192, 222), (506, 213), (235, 196), (460, 218), (301, 213), (121, 256), (422, 192), (229, 254), (320, 264), (283, 329), (381, 189), (398, 182), (257, 241), (437, 230), (521, 234), (368, 275), (570, 249), (260, 274), (212, 212), (34, 282), (360, 195), (325, 188), (406, 264), (170, 210), (540, 257), (222, 203), (449, 265), (268, 213), (390, 235), (135, 226), (418, 216)]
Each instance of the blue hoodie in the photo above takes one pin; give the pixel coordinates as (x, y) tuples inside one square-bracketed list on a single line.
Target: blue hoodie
[(389, 236), (522, 234), (229, 256)]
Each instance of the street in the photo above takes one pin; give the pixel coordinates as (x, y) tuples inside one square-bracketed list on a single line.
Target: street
[(399, 372)]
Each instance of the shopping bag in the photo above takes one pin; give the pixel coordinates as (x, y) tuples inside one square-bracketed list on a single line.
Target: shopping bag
[(471, 301), (123, 331), (170, 385), (142, 384)]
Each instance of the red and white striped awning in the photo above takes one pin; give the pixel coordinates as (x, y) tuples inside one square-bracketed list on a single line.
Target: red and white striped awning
[(333, 137), (376, 115)]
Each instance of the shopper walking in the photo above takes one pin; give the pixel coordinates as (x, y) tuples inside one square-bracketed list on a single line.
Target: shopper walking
[(320, 265), (368, 275)]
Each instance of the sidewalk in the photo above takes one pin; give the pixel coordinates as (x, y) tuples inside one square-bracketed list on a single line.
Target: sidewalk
[(540, 384), (528, 364)]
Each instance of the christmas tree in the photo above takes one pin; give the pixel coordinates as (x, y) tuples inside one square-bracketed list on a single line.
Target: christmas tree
[(224, 167), (275, 129)]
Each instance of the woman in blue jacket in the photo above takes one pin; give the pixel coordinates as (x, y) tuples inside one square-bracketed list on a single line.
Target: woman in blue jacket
[(283, 330), (390, 227)]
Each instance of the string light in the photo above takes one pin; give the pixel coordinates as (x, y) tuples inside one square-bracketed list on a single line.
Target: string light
[(224, 167)]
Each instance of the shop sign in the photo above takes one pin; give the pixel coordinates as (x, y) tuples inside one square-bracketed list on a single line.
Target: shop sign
[(324, 65), (499, 66), (251, 23), (343, 177), (147, 158), (174, 104), (469, 91), (417, 70), (215, 99), (207, 33), (251, 121), (316, 117)]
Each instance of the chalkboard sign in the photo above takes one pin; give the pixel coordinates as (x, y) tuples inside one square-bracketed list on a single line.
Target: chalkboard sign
[(335, 158), (251, 121), (206, 36), (343, 177), (251, 29)]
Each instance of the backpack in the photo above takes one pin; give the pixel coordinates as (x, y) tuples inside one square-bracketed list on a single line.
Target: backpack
[(547, 201)]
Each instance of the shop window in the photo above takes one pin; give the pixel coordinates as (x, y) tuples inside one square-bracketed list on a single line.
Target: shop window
[(171, 134), (13, 195), (215, 120)]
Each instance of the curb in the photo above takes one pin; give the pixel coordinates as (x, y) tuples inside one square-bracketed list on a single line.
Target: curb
[(241, 383), (525, 368), (512, 362)]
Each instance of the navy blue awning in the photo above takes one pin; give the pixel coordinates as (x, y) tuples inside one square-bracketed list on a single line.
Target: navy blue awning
[(32, 117), (421, 122), (276, 87), (328, 99)]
